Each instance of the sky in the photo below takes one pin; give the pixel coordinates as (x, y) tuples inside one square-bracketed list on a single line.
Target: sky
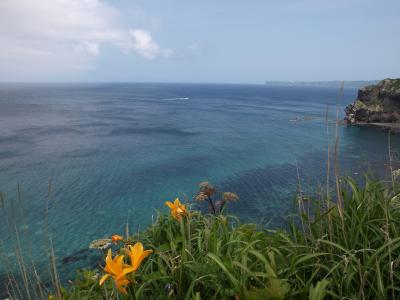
[(208, 41)]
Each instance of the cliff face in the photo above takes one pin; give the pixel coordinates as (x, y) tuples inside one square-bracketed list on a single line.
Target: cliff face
[(378, 103)]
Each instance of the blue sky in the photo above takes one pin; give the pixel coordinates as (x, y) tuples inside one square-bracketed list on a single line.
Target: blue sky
[(199, 41)]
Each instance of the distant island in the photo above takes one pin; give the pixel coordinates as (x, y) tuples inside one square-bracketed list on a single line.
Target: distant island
[(376, 105), (335, 83)]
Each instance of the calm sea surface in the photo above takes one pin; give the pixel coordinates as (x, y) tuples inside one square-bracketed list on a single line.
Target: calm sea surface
[(114, 153)]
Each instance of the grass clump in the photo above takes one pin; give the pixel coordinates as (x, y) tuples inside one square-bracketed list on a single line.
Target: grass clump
[(351, 251)]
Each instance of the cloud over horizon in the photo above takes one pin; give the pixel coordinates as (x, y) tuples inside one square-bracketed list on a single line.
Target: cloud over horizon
[(207, 41), (66, 35)]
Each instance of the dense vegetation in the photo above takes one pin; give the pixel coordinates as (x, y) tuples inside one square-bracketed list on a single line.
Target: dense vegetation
[(343, 249)]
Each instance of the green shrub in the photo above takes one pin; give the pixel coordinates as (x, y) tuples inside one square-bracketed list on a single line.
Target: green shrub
[(350, 251)]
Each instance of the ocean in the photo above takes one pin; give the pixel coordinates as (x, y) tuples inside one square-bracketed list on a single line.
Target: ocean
[(106, 155)]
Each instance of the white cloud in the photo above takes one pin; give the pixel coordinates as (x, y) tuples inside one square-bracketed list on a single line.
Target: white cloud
[(144, 45), (88, 48), (64, 35)]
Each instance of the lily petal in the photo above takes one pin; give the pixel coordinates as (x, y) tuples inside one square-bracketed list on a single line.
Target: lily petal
[(124, 272), (169, 204), (137, 249), (104, 278), (144, 255)]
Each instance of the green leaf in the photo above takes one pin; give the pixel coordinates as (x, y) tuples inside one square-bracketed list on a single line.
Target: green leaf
[(319, 291), (215, 258), (276, 289)]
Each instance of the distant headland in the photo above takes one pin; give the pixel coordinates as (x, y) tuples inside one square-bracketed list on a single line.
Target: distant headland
[(334, 83), (376, 105)]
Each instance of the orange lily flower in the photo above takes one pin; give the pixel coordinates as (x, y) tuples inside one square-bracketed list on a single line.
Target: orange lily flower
[(115, 238), (177, 209), (137, 254), (117, 270)]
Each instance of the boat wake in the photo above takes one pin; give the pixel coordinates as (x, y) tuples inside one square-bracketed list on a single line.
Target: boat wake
[(175, 99)]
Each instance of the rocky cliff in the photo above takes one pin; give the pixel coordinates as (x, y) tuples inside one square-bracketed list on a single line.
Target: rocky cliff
[(378, 103)]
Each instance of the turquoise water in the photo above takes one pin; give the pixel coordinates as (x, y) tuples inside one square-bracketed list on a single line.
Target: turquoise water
[(116, 152)]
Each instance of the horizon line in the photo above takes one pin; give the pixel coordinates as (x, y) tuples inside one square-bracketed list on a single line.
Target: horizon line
[(186, 82)]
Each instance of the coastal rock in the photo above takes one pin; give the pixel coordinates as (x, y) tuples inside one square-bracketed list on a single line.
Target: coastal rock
[(378, 103), (102, 244)]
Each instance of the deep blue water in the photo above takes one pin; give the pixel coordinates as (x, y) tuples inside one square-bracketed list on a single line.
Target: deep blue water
[(116, 152)]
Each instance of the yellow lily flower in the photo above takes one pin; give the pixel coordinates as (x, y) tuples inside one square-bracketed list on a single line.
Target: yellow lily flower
[(177, 209), (137, 254), (117, 270), (115, 238)]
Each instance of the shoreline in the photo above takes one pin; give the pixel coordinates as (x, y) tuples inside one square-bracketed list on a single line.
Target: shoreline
[(391, 126)]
